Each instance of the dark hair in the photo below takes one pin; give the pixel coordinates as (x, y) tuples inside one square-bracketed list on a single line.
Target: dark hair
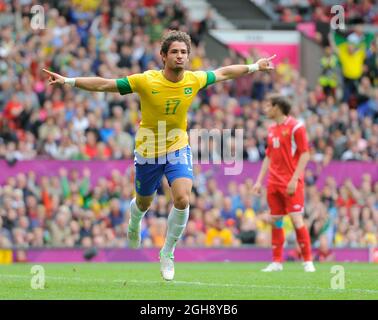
[(281, 102), (172, 36)]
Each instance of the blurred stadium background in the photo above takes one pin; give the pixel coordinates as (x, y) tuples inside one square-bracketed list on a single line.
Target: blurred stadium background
[(66, 155)]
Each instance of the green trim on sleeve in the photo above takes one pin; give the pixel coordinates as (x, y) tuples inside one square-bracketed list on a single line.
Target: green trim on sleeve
[(210, 78), (123, 86)]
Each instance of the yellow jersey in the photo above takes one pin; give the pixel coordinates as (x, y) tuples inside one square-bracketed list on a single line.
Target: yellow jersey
[(164, 107), (215, 237), (352, 64)]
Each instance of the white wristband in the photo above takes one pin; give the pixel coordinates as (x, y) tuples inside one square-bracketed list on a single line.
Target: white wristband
[(253, 67), (70, 81)]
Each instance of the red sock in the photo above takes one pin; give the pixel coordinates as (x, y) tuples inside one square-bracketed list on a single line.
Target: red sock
[(304, 241), (278, 239)]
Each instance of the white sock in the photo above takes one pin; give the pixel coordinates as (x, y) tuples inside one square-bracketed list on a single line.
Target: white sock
[(177, 221), (136, 215)]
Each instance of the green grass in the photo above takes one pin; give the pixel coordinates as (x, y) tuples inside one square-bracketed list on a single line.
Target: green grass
[(223, 281)]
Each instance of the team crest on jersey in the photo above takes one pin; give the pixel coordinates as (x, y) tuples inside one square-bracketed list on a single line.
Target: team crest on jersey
[(285, 132), (188, 91)]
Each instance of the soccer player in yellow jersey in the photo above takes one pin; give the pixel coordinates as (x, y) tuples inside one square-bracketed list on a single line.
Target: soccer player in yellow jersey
[(162, 141)]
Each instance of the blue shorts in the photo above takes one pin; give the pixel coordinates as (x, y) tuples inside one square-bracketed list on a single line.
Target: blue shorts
[(149, 171)]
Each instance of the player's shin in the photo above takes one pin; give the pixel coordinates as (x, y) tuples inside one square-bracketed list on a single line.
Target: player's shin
[(136, 215), (278, 239), (303, 238), (177, 221)]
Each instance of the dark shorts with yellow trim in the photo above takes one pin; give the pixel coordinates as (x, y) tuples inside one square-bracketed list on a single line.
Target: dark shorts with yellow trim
[(150, 171)]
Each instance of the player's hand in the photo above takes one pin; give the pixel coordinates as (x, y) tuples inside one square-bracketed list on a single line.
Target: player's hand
[(292, 186), (265, 63), (54, 78), (256, 189)]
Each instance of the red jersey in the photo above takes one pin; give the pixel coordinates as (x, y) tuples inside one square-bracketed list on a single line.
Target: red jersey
[(285, 143)]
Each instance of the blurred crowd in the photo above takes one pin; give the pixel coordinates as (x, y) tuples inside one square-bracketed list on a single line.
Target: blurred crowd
[(121, 38), (113, 39), (356, 11), (65, 210)]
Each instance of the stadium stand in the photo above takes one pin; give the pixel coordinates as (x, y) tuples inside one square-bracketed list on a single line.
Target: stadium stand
[(121, 38)]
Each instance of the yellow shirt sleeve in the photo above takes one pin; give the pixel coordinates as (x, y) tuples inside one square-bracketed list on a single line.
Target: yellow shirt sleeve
[(130, 84), (205, 78)]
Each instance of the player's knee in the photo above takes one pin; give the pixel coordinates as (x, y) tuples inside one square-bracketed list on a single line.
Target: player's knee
[(143, 205), (297, 221), (181, 202)]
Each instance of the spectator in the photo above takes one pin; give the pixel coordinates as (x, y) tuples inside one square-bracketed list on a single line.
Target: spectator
[(329, 74), (60, 229), (248, 231), (351, 55), (219, 235), (324, 253)]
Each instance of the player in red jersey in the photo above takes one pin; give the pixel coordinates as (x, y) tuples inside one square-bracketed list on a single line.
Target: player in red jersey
[(287, 154)]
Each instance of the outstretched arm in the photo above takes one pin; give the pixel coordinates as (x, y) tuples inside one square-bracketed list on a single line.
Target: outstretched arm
[(86, 83), (238, 70)]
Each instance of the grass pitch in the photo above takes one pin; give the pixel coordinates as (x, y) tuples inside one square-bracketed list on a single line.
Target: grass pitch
[(204, 281)]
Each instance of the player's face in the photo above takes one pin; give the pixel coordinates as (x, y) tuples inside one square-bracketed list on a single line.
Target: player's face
[(177, 56), (269, 109)]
